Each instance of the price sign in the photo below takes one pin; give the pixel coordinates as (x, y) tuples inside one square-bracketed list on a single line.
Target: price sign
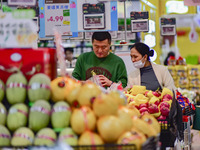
[(57, 16), (168, 26), (93, 16), (22, 2), (139, 21)]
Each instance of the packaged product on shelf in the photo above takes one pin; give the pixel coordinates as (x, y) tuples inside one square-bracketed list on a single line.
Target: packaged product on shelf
[(193, 70), (172, 71), (186, 105), (195, 89), (171, 61), (181, 71), (182, 82), (180, 61), (194, 81), (29, 61)]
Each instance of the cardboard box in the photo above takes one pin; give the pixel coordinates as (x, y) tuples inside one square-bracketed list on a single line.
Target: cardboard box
[(29, 61)]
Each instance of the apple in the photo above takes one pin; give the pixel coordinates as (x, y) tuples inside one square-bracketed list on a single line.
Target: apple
[(143, 105), (161, 117), (157, 103), (164, 111), (165, 104), (153, 108), (167, 96), (143, 110), (146, 93), (155, 93)]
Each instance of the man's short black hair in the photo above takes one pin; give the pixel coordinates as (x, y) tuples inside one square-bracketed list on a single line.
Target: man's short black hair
[(101, 36), (69, 49)]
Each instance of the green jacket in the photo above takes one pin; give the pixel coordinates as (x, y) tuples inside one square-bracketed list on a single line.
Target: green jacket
[(111, 67)]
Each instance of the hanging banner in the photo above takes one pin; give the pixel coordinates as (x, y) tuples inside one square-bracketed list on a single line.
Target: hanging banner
[(22, 2), (191, 2), (55, 14), (93, 15)]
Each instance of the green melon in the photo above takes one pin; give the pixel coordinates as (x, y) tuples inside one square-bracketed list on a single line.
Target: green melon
[(68, 136), (2, 90), (22, 137), (39, 87), (39, 115), (16, 88), (45, 137), (4, 136), (3, 114), (61, 114), (17, 116)]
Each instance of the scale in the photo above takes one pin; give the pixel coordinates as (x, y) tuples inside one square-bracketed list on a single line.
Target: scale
[(139, 21), (93, 16), (168, 26)]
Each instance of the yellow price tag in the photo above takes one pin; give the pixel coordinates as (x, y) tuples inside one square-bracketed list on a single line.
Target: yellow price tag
[(66, 22)]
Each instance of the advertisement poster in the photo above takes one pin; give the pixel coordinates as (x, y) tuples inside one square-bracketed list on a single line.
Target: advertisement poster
[(22, 2), (93, 15), (55, 15)]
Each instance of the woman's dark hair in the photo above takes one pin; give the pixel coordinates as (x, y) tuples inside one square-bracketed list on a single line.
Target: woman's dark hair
[(101, 36), (143, 49)]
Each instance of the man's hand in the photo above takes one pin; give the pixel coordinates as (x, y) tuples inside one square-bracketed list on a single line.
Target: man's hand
[(105, 81)]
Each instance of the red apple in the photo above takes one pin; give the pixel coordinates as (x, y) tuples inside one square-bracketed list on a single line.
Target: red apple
[(165, 104), (153, 108), (167, 96), (143, 105), (146, 93), (165, 99), (156, 94), (164, 111), (143, 109), (157, 103), (161, 117)]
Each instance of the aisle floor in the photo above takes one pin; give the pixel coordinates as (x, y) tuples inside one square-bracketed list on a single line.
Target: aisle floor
[(195, 139)]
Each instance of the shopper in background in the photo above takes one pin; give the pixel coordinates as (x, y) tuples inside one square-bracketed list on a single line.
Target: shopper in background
[(70, 60), (109, 67), (148, 74), (155, 76)]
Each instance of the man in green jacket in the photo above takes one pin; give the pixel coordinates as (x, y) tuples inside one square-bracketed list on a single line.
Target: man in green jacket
[(109, 67)]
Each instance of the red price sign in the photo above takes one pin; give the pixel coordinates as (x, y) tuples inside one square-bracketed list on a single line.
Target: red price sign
[(56, 18)]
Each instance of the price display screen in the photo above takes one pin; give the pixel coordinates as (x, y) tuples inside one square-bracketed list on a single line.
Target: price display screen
[(94, 16), (168, 26), (139, 21)]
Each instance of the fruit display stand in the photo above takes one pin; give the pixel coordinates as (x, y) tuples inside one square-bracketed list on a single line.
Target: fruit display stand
[(35, 117), (170, 119)]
